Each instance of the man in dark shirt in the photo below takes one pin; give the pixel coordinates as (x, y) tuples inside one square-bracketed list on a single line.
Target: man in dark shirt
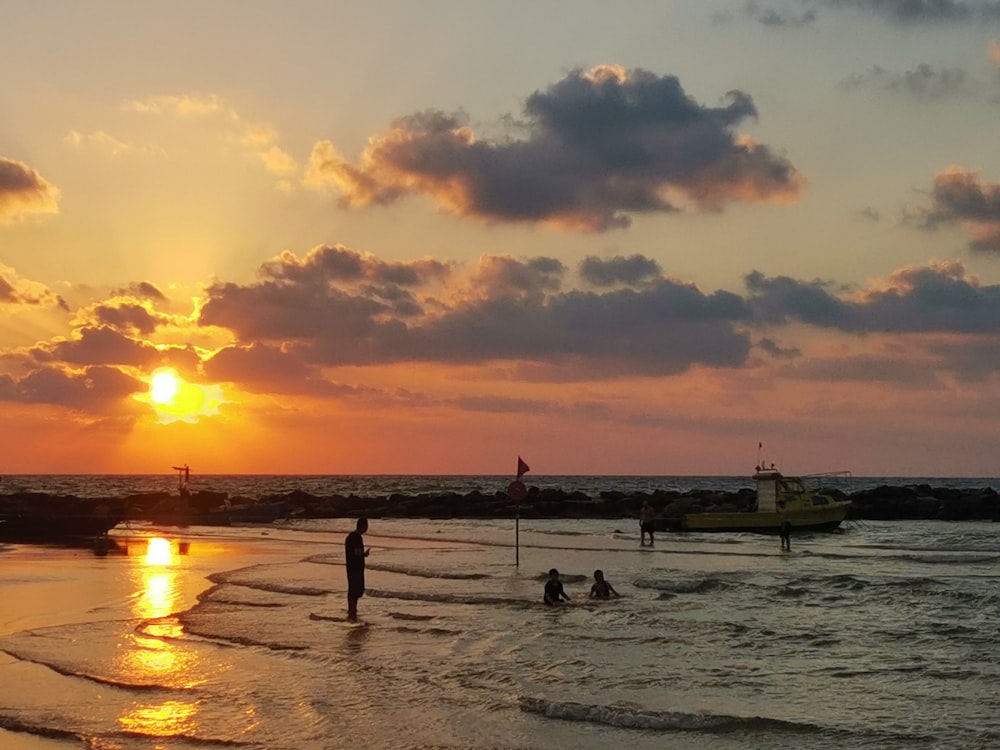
[(354, 559)]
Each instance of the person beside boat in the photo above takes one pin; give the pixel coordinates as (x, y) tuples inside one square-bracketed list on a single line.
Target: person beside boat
[(602, 588), (786, 527), (554, 592)]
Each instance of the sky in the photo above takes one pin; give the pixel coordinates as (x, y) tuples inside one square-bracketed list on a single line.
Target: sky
[(396, 237)]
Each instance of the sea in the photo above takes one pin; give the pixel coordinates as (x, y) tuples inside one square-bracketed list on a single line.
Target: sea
[(881, 635)]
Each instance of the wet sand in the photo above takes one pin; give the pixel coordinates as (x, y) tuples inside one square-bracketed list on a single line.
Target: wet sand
[(44, 586)]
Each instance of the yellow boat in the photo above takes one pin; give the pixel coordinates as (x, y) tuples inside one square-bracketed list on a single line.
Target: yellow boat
[(779, 498)]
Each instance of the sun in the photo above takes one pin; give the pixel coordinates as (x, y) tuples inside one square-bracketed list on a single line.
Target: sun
[(164, 385), (176, 400)]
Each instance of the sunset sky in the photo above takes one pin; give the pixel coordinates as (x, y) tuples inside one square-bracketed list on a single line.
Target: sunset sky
[(402, 237)]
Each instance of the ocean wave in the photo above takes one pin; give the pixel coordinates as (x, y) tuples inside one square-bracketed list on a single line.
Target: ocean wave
[(689, 586), (493, 601), (232, 578), (14, 724), (83, 675), (427, 573), (636, 718)]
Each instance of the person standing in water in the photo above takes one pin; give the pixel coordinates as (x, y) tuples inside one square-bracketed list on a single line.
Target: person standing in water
[(645, 523), (786, 528), (354, 560)]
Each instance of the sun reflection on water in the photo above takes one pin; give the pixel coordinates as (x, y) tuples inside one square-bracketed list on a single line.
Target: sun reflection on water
[(153, 658), (162, 720)]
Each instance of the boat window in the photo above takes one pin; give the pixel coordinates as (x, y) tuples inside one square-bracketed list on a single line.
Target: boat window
[(821, 500)]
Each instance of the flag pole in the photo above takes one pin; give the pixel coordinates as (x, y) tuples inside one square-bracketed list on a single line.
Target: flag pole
[(517, 538), (516, 491)]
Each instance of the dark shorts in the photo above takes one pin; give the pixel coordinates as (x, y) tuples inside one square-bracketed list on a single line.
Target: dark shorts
[(646, 527), (355, 584)]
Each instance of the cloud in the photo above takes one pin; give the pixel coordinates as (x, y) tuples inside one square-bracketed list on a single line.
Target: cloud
[(923, 11), (98, 346), (257, 139), (864, 368), (504, 276), (127, 316), (602, 146), (141, 290), (961, 196), (774, 18), (507, 310), (23, 191), (266, 369), (924, 83), (631, 271), (778, 352), (15, 291), (938, 298), (104, 142), (98, 389)]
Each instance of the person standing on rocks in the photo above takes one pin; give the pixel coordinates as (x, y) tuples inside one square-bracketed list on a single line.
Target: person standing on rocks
[(354, 560)]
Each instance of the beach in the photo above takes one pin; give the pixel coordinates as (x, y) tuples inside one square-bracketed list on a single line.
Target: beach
[(880, 636)]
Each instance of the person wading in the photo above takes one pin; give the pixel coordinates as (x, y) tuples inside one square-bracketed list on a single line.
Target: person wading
[(354, 559)]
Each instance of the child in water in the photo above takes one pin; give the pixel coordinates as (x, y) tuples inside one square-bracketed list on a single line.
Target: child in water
[(554, 593), (602, 588)]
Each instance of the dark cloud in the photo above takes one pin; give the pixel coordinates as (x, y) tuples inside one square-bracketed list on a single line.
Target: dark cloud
[(925, 82), (97, 346), (781, 299), (23, 191), (924, 11), (141, 290), (15, 291), (101, 390), (940, 298), (603, 145), (381, 281), (961, 196), (665, 327), (504, 276), (776, 351), (126, 316), (632, 271)]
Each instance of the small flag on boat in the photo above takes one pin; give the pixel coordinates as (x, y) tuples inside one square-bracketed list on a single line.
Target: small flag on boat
[(522, 468)]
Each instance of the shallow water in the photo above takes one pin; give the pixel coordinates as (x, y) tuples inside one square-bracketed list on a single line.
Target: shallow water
[(881, 636)]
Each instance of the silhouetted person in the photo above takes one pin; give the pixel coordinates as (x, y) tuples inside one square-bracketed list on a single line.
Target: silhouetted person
[(602, 588), (554, 593), (786, 528), (645, 523), (354, 559)]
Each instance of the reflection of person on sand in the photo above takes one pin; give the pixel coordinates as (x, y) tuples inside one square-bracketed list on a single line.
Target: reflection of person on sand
[(554, 593), (602, 588), (354, 559)]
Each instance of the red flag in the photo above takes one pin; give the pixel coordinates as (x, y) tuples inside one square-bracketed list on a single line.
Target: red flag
[(522, 468)]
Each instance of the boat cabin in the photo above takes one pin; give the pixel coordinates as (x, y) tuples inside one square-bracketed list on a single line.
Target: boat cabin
[(772, 486)]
